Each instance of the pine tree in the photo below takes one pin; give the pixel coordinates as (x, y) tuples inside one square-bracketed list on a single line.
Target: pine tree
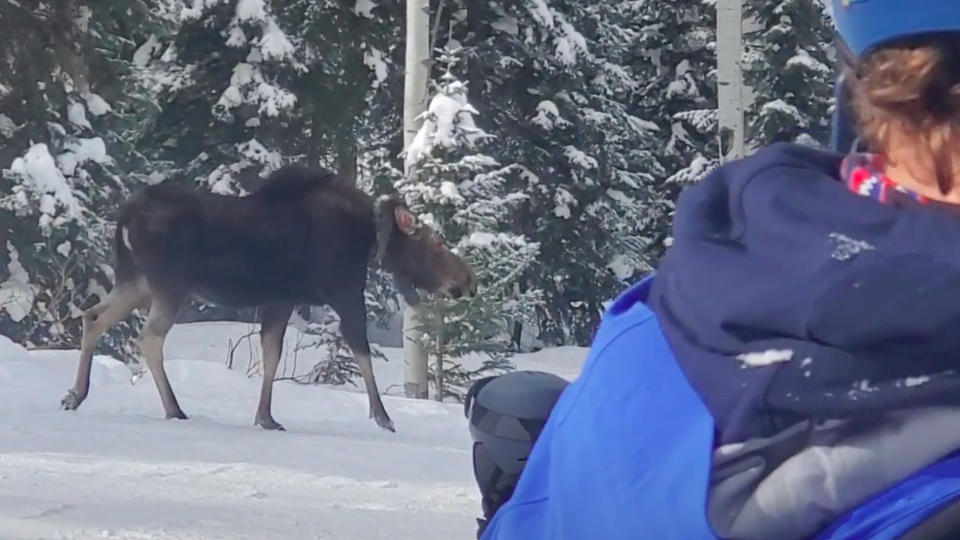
[(787, 66), (675, 55), (67, 109), (251, 85), (225, 88), (468, 197), (550, 77)]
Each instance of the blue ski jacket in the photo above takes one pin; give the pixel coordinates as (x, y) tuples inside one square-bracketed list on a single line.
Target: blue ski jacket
[(781, 293)]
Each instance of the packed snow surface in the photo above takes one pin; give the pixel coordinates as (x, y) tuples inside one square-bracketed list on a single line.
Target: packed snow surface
[(115, 469)]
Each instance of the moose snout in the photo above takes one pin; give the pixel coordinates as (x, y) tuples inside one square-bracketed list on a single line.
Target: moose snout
[(462, 283), (471, 285), (458, 290)]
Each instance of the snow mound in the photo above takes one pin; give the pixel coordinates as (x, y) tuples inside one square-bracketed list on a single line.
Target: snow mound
[(11, 352)]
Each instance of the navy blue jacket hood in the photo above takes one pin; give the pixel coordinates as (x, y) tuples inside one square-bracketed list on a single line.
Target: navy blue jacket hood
[(785, 296)]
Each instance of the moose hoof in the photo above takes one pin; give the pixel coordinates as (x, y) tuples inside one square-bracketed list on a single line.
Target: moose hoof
[(384, 422), (270, 424), (71, 401), (176, 415)]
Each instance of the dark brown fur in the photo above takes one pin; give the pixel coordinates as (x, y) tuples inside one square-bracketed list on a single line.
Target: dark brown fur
[(303, 238)]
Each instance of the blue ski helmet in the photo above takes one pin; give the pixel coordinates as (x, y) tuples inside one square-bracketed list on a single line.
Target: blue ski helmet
[(864, 24)]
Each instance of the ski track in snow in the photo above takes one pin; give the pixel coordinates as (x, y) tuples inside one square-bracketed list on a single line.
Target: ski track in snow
[(116, 470)]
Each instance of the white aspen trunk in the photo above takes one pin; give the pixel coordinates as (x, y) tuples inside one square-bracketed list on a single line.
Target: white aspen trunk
[(730, 89), (417, 73)]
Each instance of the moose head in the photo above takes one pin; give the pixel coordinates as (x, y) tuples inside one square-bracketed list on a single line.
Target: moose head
[(417, 256)]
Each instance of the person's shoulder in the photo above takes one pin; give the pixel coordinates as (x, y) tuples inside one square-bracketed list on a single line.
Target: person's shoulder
[(784, 156)]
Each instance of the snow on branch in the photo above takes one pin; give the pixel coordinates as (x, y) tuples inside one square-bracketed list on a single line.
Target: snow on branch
[(16, 293), (41, 178), (249, 85), (548, 116), (804, 60), (447, 122)]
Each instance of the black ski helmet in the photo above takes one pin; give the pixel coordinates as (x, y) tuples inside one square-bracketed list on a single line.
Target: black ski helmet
[(506, 414)]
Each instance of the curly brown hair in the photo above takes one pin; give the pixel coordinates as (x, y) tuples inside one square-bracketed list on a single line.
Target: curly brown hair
[(911, 89)]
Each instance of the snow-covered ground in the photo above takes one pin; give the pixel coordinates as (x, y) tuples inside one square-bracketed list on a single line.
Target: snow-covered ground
[(115, 469)]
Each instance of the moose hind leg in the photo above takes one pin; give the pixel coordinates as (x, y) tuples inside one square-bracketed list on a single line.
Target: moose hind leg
[(273, 326), (96, 321), (163, 314), (353, 325)]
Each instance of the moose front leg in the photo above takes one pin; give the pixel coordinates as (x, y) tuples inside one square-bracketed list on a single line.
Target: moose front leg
[(353, 325), (273, 326)]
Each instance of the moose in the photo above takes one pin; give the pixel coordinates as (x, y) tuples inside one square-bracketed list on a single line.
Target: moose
[(302, 238)]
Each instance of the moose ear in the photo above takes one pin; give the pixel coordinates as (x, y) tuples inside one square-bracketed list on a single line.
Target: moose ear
[(406, 221), (386, 225)]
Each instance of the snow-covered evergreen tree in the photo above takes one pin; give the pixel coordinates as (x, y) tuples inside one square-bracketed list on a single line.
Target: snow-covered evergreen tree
[(225, 88), (469, 197), (67, 111), (251, 85), (788, 66), (550, 77), (675, 57), (346, 47)]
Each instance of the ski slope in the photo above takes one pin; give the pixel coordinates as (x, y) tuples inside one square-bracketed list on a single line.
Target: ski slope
[(116, 470)]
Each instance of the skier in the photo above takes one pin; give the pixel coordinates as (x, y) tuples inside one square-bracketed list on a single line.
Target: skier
[(793, 363)]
